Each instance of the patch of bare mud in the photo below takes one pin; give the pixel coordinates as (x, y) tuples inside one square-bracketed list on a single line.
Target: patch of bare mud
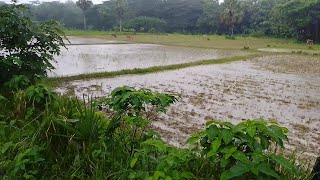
[(259, 88), (293, 64), (308, 51)]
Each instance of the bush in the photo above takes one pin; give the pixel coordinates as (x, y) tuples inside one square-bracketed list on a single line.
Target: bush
[(146, 24), (257, 34), (243, 149), (230, 37), (28, 47)]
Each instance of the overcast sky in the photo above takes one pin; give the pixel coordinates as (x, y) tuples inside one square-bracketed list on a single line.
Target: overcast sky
[(27, 1)]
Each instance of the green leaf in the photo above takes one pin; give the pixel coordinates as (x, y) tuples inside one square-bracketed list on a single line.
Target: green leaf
[(230, 152), (132, 175), (278, 131), (266, 169), (224, 162), (187, 175), (264, 142), (238, 155), (193, 139), (235, 171), (2, 98), (158, 174), (12, 122), (214, 147), (133, 162), (6, 146), (212, 132), (239, 127), (284, 163), (257, 157), (227, 136), (251, 130), (156, 143)]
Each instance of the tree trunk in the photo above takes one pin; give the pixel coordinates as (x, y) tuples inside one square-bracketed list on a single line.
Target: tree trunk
[(84, 21), (317, 31), (120, 22), (232, 29)]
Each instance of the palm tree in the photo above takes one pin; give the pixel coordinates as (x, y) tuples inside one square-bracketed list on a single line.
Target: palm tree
[(231, 14), (120, 10), (84, 5)]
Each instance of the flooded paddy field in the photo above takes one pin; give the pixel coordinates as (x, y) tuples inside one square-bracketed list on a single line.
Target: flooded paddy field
[(84, 59), (281, 87)]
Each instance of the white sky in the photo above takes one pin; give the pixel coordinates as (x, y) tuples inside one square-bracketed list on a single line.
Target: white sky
[(27, 1)]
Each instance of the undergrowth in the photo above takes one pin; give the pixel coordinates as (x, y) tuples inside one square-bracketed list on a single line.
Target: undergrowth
[(47, 136)]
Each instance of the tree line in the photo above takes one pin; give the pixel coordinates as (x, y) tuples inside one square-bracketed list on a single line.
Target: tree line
[(298, 19)]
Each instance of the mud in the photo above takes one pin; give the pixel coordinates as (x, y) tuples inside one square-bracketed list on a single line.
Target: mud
[(284, 88), (299, 51)]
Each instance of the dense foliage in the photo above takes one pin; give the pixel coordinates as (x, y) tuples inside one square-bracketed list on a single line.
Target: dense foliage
[(282, 18), (26, 48)]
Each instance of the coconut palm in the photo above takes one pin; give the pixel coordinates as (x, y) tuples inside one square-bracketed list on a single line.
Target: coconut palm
[(84, 5)]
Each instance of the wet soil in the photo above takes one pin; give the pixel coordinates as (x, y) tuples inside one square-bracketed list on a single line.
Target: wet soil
[(284, 87)]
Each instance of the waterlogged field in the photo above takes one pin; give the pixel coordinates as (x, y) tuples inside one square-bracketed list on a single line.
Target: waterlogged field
[(280, 87), (83, 57)]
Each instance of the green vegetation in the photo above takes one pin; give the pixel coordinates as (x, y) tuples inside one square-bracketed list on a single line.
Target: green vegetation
[(296, 19), (201, 41), (29, 54)]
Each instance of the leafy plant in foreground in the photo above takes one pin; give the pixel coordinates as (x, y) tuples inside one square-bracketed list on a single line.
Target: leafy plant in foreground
[(162, 161), (27, 48), (245, 149), (18, 83), (132, 108)]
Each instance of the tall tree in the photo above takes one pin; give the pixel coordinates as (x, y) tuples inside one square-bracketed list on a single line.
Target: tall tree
[(297, 18), (208, 22), (231, 14), (121, 6), (84, 5)]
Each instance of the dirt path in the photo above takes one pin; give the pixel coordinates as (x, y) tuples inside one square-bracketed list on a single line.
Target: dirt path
[(285, 88)]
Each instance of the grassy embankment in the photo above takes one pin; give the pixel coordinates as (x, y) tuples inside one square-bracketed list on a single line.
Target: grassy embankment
[(201, 41)]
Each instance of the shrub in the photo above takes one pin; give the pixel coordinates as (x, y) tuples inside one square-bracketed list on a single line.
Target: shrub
[(18, 83), (244, 149), (146, 24), (230, 37), (28, 47)]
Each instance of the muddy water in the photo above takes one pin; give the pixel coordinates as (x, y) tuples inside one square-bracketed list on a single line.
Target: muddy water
[(82, 59), (259, 88)]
